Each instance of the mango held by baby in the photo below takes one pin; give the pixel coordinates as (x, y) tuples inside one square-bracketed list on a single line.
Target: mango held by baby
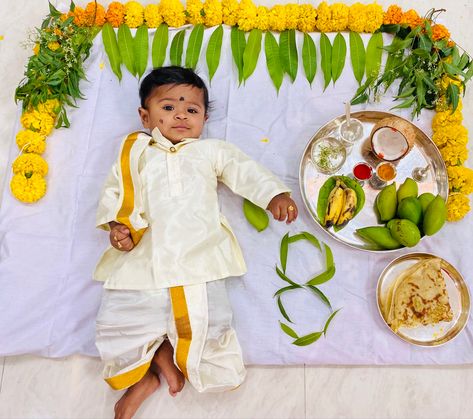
[(380, 236), (435, 216), (405, 232), (386, 202)]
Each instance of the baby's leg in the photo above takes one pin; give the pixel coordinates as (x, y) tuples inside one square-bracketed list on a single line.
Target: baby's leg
[(129, 403), (163, 362)]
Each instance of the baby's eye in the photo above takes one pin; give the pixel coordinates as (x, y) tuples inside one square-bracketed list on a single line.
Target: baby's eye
[(168, 107), (192, 110)]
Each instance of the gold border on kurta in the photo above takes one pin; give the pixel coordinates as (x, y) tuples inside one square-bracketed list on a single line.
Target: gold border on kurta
[(183, 327)]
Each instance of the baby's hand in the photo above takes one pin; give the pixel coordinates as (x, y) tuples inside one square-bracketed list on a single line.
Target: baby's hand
[(282, 206), (120, 237)]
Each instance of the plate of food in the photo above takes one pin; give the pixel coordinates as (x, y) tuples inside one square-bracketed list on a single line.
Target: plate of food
[(423, 299), (389, 160)]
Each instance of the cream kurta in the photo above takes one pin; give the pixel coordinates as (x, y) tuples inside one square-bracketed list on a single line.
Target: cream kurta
[(188, 240)]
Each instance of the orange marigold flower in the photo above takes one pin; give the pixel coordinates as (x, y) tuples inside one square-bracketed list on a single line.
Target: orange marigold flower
[(440, 32), (393, 15), (411, 19), (115, 14), (94, 14), (451, 44), (79, 16)]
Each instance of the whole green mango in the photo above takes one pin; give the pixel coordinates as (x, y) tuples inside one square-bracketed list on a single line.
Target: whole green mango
[(380, 236), (425, 199), (386, 202), (435, 216), (407, 189), (405, 232), (410, 209)]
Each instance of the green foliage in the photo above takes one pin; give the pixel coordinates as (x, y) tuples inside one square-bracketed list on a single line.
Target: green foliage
[(251, 53), (357, 56), (273, 61), (326, 58), (111, 48), (125, 44), (214, 49), (194, 46), (238, 44), (309, 58), (288, 52), (177, 47), (339, 53), (160, 44), (141, 50)]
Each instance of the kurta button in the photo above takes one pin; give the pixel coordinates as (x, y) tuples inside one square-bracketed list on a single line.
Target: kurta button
[(172, 149), (152, 142)]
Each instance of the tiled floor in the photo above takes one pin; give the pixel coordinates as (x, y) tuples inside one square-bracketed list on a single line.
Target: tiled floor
[(32, 387)]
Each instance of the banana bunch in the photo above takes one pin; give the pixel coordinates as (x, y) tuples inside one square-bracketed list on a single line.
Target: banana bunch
[(341, 206)]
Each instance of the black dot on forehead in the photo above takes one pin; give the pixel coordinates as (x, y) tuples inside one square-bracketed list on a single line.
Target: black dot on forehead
[(181, 98)]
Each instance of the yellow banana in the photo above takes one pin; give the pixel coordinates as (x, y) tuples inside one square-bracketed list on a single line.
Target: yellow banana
[(349, 206), (335, 205)]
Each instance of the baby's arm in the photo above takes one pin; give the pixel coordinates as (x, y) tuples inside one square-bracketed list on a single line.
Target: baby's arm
[(120, 236), (282, 206)]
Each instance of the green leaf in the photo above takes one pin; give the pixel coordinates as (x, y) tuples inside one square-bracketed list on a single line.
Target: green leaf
[(255, 215), (288, 52), (323, 277), (453, 94), (141, 49), (455, 56), (194, 46), (307, 339), (251, 53), (111, 48), (125, 44), (285, 278), (374, 53), (177, 47), (238, 44), (425, 43), (288, 331), (357, 55), (390, 28), (328, 256), (312, 239), (282, 310), (309, 58), (322, 199), (451, 69), (406, 104), (284, 289), (160, 44), (329, 320), (283, 251), (320, 294), (406, 93), (339, 53), (273, 62), (326, 58), (214, 49), (464, 60)]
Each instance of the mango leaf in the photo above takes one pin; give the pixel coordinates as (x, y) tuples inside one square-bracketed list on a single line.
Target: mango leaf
[(251, 53), (320, 294), (283, 251), (194, 46), (307, 339), (339, 53), (140, 50), (357, 56), (326, 58), (329, 320), (255, 215), (160, 44), (238, 44), (111, 48), (214, 49), (288, 331), (309, 58), (177, 47), (374, 53), (125, 44), (282, 310), (273, 62), (453, 93), (288, 52)]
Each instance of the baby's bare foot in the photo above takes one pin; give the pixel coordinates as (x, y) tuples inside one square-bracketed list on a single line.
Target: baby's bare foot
[(164, 363), (129, 403)]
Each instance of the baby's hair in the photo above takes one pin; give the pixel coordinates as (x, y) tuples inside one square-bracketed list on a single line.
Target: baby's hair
[(171, 75)]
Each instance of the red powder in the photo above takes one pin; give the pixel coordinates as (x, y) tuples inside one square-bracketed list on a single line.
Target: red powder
[(362, 171)]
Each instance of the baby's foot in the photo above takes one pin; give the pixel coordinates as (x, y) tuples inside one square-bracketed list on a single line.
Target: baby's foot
[(163, 362), (129, 403)]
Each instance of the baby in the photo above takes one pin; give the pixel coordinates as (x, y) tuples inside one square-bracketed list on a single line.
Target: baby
[(165, 309)]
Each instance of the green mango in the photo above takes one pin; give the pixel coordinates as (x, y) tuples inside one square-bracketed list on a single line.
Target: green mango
[(435, 216), (425, 199), (380, 236), (411, 209), (405, 232), (386, 202), (407, 189)]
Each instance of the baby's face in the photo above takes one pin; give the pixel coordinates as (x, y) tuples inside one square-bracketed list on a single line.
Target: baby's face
[(177, 110)]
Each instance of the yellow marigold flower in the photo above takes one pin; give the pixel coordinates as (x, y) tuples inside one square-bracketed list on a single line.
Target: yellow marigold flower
[(36, 49), (447, 118), (440, 32), (53, 46), (307, 18), (454, 154), (292, 15), (230, 12), (212, 13), (374, 17), (194, 12), (393, 15), (458, 205), (134, 14), (37, 121), (357, 17), (79, 16), (324, 17), (152, 16), (460, 179), (247, 13), (172, 12), (452, 134), (277, 18), (411, 19), (94, 14), (30, 163), (51, 106), (31, 142), (63, 17), (28, 189), (262, 18), (115, 14), (340, 14)]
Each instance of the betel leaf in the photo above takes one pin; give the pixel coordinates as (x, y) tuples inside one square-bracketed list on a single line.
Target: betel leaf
[(160, 44), (125, 45), (255, 215), (288, 331), (326, 58), (309, 58), (194, 46), (307, 339), (214, 49), (141, 50), (339, 53), (357, 56), (283, 251), (177, 47), (111, 48), (374, 53), (288, 52), (273, 62), (251, 53), (238, 44), (322, 200)]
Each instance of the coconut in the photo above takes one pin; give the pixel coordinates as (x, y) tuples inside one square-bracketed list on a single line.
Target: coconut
[(392, 138)]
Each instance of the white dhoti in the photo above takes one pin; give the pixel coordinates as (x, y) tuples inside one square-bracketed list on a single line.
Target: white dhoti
[(132, 324)]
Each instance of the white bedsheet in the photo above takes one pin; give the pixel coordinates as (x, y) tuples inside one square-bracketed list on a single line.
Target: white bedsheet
[(48, 250)]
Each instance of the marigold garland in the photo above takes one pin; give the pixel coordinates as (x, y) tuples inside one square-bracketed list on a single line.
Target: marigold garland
[(29, 188)]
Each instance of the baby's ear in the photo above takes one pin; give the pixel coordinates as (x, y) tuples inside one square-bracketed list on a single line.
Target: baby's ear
[(144, 116), (206, 117)]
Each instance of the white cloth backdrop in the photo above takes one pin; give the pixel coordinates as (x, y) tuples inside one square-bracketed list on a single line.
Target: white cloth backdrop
[(48, 250)]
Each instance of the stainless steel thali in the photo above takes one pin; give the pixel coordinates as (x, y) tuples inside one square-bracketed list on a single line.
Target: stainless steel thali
[(423, 153), (458, 295)]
